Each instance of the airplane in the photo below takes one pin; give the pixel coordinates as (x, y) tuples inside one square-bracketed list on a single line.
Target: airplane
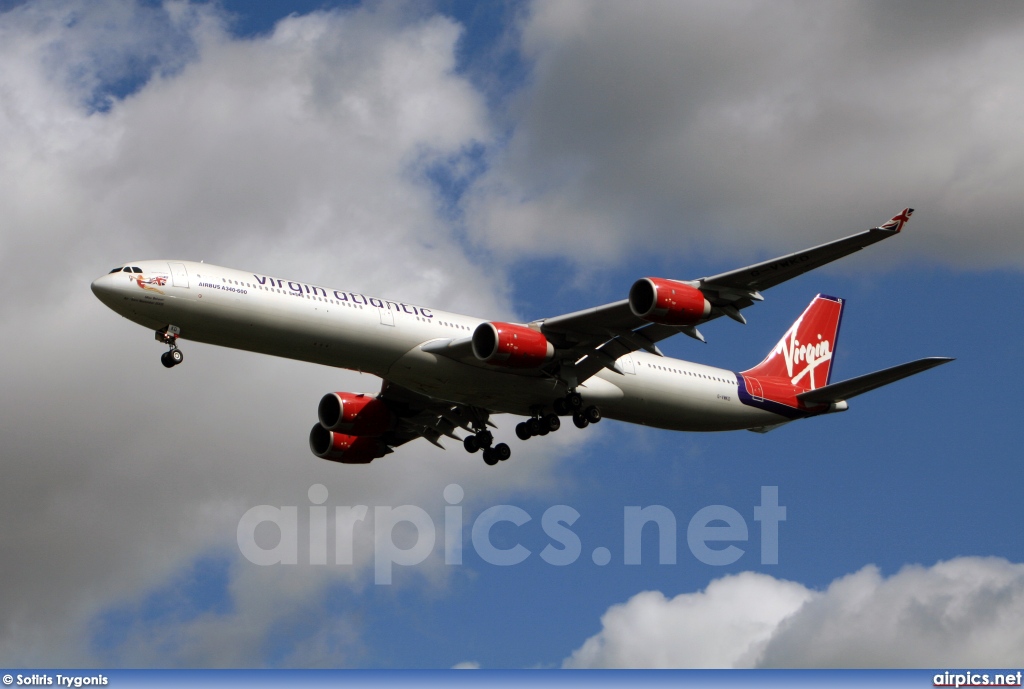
[(444, 372)]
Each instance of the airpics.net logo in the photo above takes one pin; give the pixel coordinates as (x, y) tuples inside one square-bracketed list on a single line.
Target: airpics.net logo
[(715, 535)]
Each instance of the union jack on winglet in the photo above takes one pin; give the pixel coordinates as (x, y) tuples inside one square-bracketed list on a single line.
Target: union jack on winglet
[(897, 222)]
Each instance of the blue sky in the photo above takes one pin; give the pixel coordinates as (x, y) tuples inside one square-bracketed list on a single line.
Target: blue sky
[(513, 159)]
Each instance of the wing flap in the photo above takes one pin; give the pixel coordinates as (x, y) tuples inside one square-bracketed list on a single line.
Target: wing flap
[(420, 416), (593, 323)]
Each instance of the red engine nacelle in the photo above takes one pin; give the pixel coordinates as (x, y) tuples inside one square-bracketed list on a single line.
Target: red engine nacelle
[(355, 414), (668, 302), (347, 449), (514, 346)]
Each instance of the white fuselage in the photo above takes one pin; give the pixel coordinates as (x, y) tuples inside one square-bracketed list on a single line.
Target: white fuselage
[(258, 313)]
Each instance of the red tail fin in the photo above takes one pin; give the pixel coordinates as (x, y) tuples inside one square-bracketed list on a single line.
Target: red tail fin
[(803, 357)]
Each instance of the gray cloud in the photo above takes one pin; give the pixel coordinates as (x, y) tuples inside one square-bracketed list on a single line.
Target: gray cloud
[(715, 126)]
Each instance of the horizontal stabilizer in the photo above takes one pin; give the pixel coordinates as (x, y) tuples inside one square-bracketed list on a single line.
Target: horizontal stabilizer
[(837, 392)]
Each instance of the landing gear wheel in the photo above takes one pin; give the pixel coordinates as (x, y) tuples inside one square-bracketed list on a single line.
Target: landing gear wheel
[(534, 426), (552, 422), (471, 444), (501, 451), (561, 407), (491, 456), (523, 431), (580, 420), (169, 337), (593, 414), (574, 400), (484, 439)]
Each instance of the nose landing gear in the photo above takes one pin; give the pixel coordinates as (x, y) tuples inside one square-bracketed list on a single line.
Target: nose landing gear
[(169, 336), (172, 358)]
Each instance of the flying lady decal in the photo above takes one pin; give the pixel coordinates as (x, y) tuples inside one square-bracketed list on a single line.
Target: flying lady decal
[(151, 284)]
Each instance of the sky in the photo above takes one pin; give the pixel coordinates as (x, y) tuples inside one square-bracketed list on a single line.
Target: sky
[(510, 160)]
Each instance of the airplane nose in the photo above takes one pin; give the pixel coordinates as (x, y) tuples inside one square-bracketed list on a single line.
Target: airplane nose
[(103, 288)]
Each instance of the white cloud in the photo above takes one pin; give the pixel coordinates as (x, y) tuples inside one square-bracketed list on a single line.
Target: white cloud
[(755, 126), (716, 627), (965, 612), (962, 612)]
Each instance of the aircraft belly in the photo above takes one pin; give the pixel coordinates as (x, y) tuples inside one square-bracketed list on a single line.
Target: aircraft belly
[(316, 334), (501, 391), (663, 402)]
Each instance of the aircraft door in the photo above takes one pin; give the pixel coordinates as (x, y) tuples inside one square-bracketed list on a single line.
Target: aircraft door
[(179, 276), (754, 387), (387, 317), (626, 364)]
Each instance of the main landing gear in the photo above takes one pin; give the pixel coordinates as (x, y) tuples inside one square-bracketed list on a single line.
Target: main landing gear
[(482, 441), (169, 336), (585, 417), (573, 404), (539, 424)]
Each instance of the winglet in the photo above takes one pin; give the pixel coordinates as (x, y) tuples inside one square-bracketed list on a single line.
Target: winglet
[(897, 222)]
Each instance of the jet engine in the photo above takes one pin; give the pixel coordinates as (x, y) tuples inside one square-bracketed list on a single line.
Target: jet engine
[(347, 449), (668, 302), (510, 345), (355, 414)]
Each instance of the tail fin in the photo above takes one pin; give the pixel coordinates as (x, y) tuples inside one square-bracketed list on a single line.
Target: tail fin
[(803, 357)]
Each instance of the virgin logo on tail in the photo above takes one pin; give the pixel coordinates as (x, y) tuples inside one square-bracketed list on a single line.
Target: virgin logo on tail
[(804, 354), (812, 355)]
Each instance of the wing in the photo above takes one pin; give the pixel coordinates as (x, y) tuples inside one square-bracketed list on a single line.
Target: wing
[(743, 282), (595, 338)]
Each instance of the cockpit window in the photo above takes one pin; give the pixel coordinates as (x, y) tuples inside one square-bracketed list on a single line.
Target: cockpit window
[(116, 270), (126, 269), (136, 269)]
